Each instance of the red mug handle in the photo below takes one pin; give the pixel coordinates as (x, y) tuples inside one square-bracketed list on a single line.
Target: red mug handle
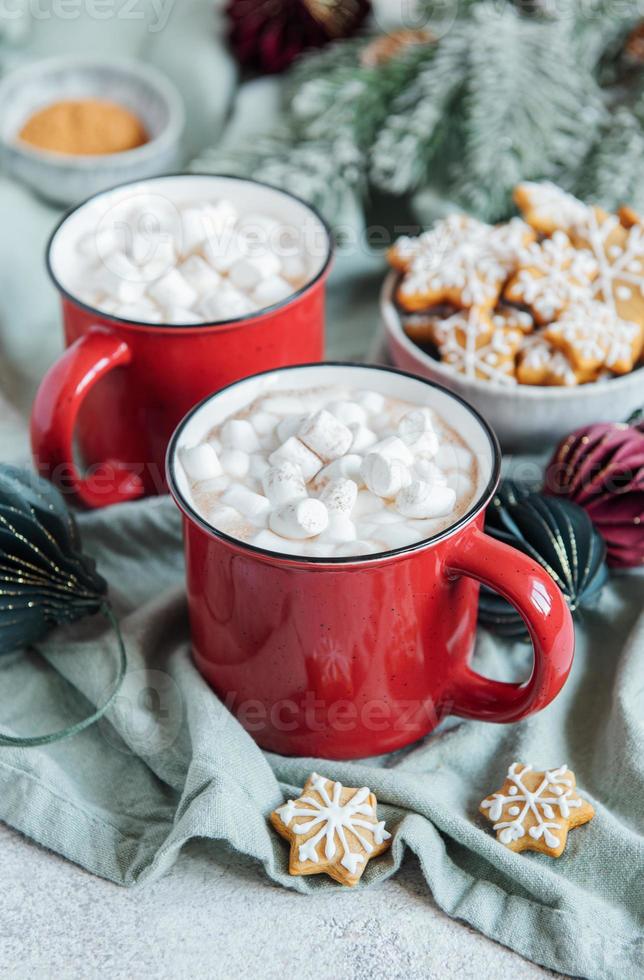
[(53, 418), (542, 606)]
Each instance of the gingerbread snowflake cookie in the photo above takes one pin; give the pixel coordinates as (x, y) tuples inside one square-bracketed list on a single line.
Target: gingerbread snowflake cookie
[(547, 208), (489, 358), (333, 829), (552, 275), (541, 363), (535, 810), (460, 261), (593, 336)]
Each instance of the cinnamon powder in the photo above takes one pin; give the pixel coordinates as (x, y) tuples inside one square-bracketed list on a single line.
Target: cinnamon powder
[(84, 127)]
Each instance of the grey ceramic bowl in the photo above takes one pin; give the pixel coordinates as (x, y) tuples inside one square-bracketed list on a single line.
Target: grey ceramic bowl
[(67, 179), (526, 418)]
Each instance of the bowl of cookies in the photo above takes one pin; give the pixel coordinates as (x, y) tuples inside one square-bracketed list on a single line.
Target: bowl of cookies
[(538, 322)]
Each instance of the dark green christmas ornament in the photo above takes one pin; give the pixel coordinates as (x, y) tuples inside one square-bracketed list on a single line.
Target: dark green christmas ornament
[(45, 579), (557, 534)]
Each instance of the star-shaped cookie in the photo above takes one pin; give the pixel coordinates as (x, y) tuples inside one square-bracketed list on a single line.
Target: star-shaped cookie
[(333, 829), (460, 261), (535, 810)]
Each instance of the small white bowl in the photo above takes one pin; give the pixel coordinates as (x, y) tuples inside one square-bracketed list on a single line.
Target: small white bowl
[(66, 178), (525, 417)]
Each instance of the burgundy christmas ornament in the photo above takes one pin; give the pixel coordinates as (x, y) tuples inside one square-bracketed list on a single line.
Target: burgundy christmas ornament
[(601, 468), (270, 34)]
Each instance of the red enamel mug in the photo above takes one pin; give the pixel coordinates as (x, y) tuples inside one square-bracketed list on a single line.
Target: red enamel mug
[(352, 657), (122, 386)]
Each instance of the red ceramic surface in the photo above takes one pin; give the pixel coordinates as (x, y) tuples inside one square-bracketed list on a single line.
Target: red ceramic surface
[(121, 387), (348, 658)]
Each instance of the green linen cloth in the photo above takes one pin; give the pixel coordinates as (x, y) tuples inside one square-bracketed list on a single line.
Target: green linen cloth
[(169, 764)]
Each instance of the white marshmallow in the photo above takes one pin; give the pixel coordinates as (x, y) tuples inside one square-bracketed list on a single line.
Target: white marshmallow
[(235, 462), (386, 516), (394, 448), (416, 429), (201, 462), (127, 291), (395, 536), (258, 465), (353, 549), (283, 482), (348, 412), (219, 215), (339, 530), (239, 434), (160, 258), (264, 423), (421, 499), (260, 229), (247, 502), (222, 250), (347, 466), (289, 426), (363, 438), (294, 269), (384, 475), (247, 272), (142, 312), (326, 435), (428, 471), (225, 303), (283, 405), (172, 289), (224, 517), (340, 495), (217, 485), (199, 275), (178, 314), (273, 542), (296, 452), (271, 290), (460, 483), (299, 518), (453, 457), (372, 401), (367, 503)]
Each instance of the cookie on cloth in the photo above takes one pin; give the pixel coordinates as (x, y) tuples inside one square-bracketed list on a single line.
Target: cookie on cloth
[(534, 811), (547, 208), (489, 359), (460, 261), (593, 336), (552, 275), (333, 829)]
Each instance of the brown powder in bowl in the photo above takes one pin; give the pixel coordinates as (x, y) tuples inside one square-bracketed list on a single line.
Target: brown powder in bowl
[(84, 127)]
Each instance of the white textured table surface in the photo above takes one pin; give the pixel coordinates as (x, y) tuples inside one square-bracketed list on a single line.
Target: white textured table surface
[(215, 915)]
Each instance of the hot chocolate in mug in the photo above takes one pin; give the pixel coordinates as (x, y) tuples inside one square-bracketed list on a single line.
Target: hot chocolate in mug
[(122, 385), (346, 657)]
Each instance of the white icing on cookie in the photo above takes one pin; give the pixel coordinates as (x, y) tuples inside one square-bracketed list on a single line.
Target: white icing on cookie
[(561, 794), (489, 361), (595, 335), (334, 819), (461, 255), (554, 275), (549, 205)]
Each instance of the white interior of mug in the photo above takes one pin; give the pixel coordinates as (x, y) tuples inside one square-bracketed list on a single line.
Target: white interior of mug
[(166, 195), (463, 419)]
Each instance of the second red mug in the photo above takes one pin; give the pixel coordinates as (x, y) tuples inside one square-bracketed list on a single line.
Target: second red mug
[(122, 386), (351, 657)]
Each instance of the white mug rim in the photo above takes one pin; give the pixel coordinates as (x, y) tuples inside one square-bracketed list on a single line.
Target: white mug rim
[(481, 502), (239, 321)]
